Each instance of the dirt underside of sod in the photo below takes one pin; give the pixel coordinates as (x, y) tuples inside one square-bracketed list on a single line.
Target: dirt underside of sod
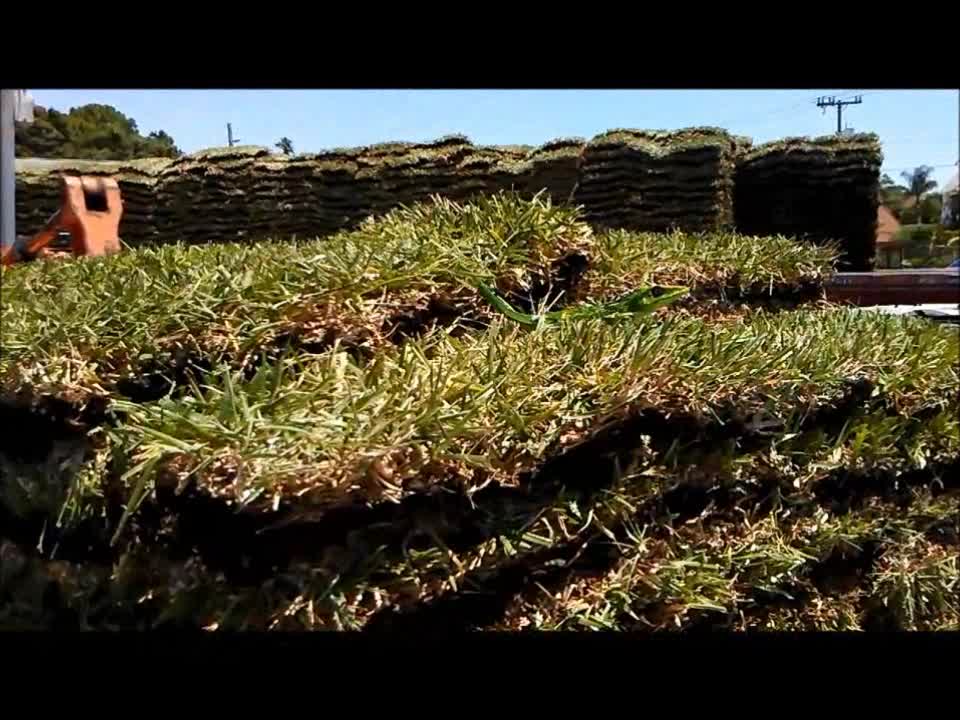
[(342, 434)]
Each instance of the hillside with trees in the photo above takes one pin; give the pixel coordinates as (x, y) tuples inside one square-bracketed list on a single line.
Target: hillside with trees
[(89, 132)]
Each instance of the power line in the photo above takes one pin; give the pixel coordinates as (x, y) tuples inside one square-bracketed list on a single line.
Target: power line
[(725, 123), (885, 169), (799, 105), (861, 94), (933, 166), (811, 101)]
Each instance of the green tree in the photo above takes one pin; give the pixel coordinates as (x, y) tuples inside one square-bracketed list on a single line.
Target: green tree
[(159, 144), (919, 183), (891, 194), (285, 145), (90, 132), (931, 207)]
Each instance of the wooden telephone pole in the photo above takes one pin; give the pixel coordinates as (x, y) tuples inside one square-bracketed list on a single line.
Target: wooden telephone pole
[(825, 102), (231, 140)]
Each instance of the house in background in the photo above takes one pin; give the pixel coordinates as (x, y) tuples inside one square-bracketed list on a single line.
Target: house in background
[(889, 249), (950, 215)]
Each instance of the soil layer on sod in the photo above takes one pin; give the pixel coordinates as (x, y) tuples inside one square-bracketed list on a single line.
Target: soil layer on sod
[(291, 460)]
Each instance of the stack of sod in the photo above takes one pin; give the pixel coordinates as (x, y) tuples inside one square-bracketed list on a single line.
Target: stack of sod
[(315, 195), (305, 195), (554, 167), (206, 195), (407, 173), (770, 470), (817, 189), (643, 180), (39, 189)]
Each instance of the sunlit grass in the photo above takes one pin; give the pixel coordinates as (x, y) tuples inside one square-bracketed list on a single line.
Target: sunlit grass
[(86, 321)]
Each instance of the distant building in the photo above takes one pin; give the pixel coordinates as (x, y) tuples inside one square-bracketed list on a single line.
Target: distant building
[(950, 215), (889, 249)]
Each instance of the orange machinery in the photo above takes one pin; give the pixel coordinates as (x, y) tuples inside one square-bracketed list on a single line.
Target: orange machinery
[(90, 210)]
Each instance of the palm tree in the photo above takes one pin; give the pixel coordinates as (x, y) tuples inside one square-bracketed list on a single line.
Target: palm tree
[(918, 184), (285, 145)]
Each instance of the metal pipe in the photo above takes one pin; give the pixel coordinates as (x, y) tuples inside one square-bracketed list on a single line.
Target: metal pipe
[(8, 173)]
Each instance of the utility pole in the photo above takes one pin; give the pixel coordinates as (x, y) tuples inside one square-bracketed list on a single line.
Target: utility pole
[(15, 106), (8, 174), (231, 140), (825, 102)]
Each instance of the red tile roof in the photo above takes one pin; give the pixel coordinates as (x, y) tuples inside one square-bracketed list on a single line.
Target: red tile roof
[(887, 225)]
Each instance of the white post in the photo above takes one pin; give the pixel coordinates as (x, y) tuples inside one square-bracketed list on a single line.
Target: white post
[(8, 173)]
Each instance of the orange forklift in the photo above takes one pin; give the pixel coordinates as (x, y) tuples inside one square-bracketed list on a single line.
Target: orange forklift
[(90, 211)]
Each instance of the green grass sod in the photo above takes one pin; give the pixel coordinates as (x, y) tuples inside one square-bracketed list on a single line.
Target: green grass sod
[(756, 469)]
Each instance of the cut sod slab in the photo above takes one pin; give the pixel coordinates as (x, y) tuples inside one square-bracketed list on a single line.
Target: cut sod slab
[(174, 305), (324, 442), (750, 545), (484, 408)]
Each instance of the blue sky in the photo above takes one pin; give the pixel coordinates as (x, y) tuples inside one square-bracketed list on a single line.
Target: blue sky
[(916, 127)]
